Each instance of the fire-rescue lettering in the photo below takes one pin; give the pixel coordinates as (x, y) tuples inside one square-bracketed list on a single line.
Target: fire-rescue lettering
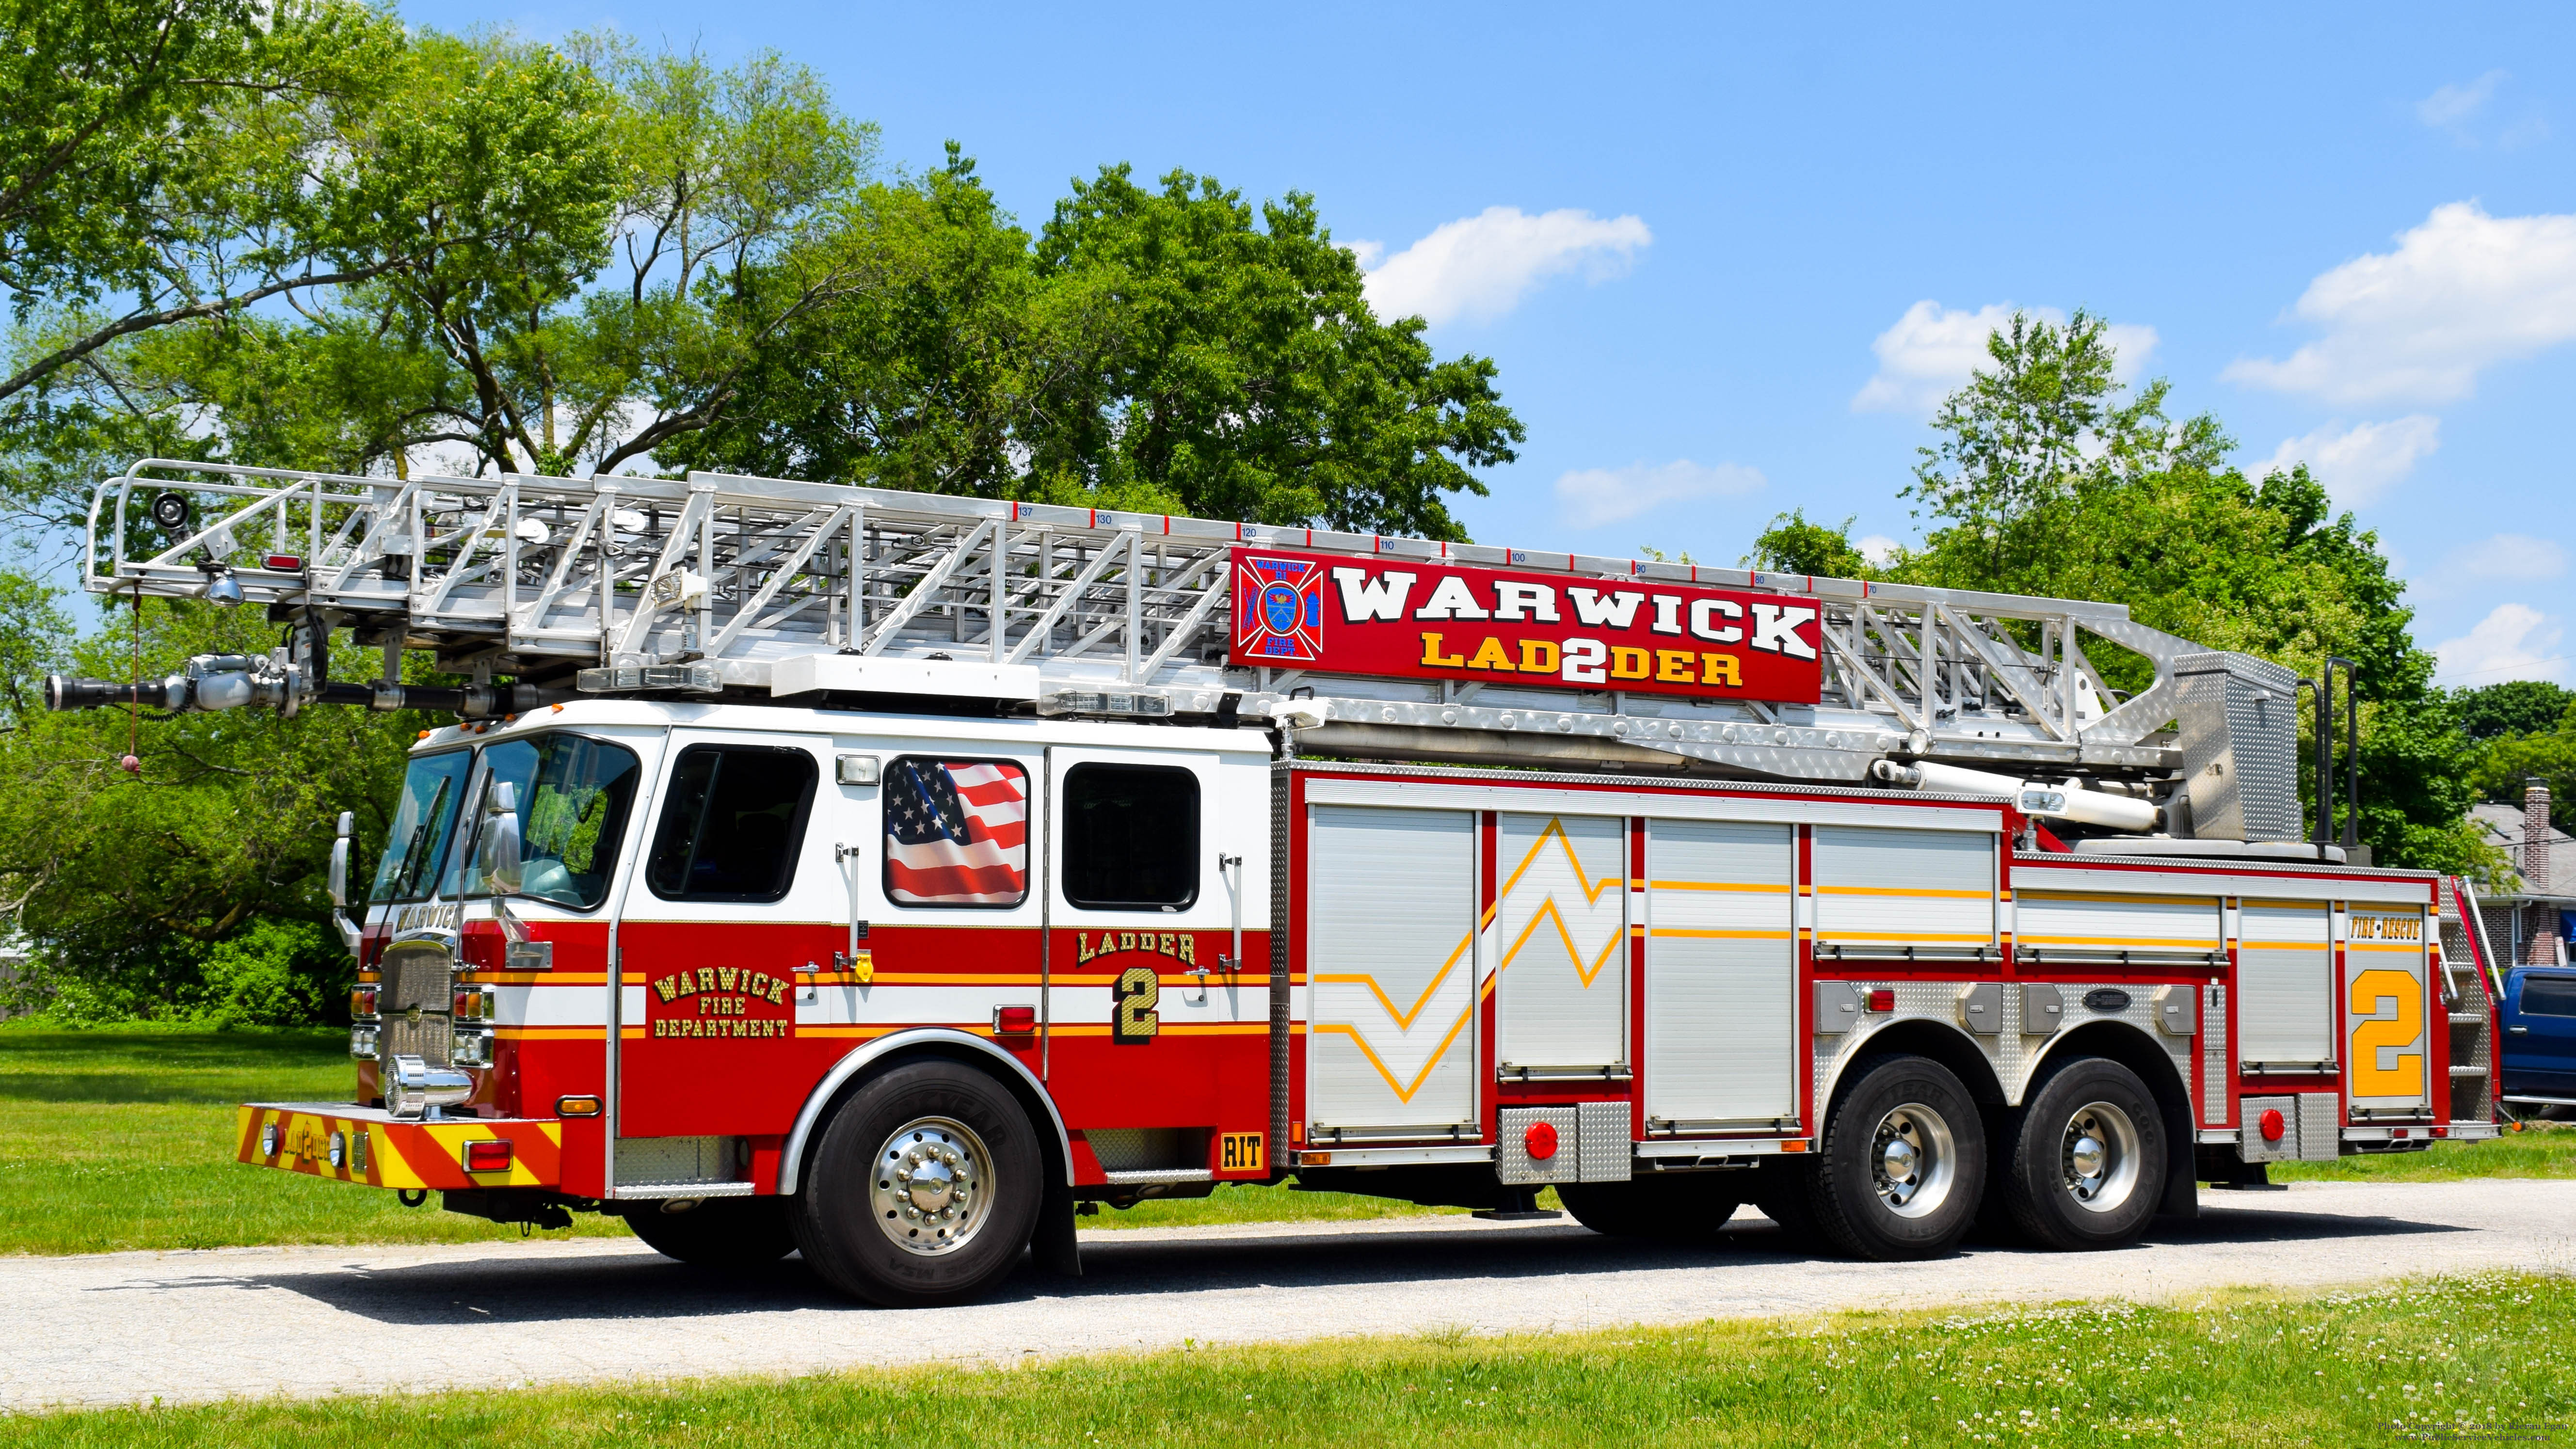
[(1179, 945)]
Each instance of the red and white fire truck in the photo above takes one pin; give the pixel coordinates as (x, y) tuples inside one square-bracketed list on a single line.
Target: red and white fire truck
[(896, 877)]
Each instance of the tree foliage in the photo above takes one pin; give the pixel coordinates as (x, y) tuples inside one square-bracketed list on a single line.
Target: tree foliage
[(2048, 477), (1166, 348)]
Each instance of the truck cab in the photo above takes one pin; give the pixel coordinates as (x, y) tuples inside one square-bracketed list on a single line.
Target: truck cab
[(2538, 1012)]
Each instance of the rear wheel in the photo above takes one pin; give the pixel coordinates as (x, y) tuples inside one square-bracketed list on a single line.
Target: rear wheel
[(924, 1188), (1902, 1164), (2088, 1159), (717, 1232), (1684, 1207)]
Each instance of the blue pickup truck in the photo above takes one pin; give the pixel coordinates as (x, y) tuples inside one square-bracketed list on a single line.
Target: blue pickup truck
[(2538, 1013)]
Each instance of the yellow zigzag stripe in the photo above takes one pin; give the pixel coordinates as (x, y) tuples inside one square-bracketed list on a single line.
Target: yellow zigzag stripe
[(1404, 1019)]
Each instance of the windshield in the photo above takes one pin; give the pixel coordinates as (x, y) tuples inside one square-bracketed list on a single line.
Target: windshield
[(422, 824), (573, 797)]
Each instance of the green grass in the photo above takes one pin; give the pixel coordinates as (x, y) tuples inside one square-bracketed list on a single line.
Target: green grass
[(2542, 1149), (117, 1139), (124, 1139), (2389, 1365)]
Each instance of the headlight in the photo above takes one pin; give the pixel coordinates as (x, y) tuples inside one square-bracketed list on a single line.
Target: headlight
[(472, 1049), (362, 1041), (339, 1149)]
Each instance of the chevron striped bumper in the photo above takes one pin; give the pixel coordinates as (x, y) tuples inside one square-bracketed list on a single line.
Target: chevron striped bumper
[(371, 1147)]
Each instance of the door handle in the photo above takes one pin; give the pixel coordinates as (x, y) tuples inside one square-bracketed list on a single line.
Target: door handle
[(2517, 1031)]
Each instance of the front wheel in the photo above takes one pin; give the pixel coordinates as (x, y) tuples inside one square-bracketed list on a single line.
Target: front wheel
[(924, 1188), (1902, 1164), (2088, 1159)]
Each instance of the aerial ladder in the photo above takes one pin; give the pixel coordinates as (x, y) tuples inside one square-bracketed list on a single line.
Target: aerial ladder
[(540, 589)]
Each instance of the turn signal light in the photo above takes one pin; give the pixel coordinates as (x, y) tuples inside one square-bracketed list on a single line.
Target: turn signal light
[(1014, 1020), (473, 1003), (1883, 999), (576, 1106), (362, 1004), (491, 1155)]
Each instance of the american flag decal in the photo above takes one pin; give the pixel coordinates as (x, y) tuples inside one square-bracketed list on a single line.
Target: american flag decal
[(957, 832), (1278, 610)]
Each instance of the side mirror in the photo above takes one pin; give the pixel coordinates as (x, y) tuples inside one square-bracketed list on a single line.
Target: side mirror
[(340, 859), (496, 853)]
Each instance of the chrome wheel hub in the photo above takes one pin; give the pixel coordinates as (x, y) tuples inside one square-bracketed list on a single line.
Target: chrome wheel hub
[(932, 1178), (1913, 1160), (2099, 1160)]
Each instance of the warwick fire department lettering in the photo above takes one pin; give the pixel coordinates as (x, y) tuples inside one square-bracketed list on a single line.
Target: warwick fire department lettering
[(720, 1003)]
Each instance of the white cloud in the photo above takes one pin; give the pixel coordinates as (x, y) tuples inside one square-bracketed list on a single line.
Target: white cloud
[(1590, 497), (1366, 253), (2503, 558), (1479, 267), (2451, 107), (2462, 293), (1931, 350), (2359, 464), (1878, 548), (2515, 641)]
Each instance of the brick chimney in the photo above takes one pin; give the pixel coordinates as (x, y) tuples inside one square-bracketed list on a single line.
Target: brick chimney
[(2539, 922)]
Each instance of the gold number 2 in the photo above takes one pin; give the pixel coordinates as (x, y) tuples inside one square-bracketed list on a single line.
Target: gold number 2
[(1139, 992), (2373, 1033)]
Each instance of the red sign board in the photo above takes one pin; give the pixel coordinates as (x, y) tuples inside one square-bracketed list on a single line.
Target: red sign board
[(1420, 619)]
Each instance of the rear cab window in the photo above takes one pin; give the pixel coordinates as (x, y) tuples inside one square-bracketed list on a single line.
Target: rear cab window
[(2549, 995)]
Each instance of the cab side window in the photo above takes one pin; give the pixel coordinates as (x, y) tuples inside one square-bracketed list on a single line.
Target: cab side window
[(2549, 995), (1131, 837), (732, 821)]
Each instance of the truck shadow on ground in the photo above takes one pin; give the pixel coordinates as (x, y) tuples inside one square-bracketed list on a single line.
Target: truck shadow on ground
[(639, 1286)]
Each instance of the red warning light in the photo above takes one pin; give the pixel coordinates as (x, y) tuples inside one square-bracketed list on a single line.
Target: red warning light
[(1539, 1141)]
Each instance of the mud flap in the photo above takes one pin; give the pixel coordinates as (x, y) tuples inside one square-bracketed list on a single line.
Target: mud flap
[(1054, 1245)]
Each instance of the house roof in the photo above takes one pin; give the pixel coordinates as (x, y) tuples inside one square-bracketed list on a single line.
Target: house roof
[(2501, 826)]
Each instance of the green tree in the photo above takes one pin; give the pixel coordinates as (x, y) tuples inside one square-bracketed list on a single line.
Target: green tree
[(2048, 477), (164, 161), (1793, 545), (194, 887), (2515, 707)]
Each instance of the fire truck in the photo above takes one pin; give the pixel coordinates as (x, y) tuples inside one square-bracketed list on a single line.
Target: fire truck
[(895, 878)]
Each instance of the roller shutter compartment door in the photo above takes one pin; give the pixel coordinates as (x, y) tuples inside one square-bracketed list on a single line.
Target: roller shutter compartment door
[(2284, 983), (1885, 892), (1721, 973), (2068, 926), (1559, 943), (1390, 918)]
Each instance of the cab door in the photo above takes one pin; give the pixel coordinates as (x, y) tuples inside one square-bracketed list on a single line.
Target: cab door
[(734, 893)]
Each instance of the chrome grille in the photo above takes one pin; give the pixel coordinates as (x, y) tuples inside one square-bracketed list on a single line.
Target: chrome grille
[(414, 998)]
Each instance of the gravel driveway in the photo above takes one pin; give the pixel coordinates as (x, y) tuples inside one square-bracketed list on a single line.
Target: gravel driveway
[(131, 1327)]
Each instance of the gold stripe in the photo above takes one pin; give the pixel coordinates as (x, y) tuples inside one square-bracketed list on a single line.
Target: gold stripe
[(1715, 885), (1907, 891), (1721, 935)]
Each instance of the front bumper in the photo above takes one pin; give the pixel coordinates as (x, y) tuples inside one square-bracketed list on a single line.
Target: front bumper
[(371, 1147)]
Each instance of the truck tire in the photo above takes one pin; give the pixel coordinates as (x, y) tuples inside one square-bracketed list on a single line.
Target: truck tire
[(717, 1232), (924, 1188), (1684, 1207), (1902, 1164), (2087, 1166)]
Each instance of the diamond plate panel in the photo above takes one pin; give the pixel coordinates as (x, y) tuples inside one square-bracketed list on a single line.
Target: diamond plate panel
[(2320, 1127), (2249, 1130), (1603, 1147), (1512, 1160), (674, 1159), (2213, 1055)]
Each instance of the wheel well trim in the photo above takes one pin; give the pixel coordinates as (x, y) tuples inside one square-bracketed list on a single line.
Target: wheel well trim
[(2049, 1053), (1857, 1045), (791, 1159)]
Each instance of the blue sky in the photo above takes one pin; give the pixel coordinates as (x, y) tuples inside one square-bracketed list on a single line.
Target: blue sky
[(1725, 259)]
